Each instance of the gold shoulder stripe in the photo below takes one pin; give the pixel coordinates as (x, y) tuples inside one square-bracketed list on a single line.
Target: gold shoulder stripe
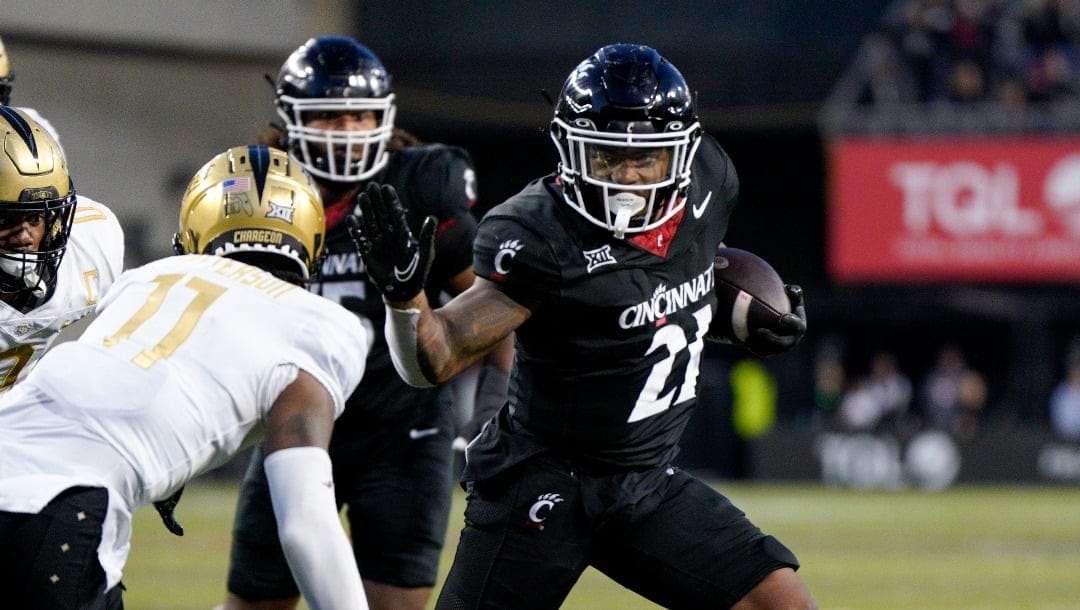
[(87, 214)]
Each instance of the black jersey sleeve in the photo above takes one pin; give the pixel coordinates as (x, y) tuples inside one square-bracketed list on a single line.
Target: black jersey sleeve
[(516, 256)]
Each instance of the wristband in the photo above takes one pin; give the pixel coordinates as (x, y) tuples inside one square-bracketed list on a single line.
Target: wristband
[(400, 332)]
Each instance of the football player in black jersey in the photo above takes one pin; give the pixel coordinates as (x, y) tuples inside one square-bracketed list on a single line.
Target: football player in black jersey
[(391, 449), (604, 270)]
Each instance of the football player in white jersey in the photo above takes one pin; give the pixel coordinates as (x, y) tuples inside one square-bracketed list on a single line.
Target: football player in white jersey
[(58, 252), (7, 79), (190, 359)]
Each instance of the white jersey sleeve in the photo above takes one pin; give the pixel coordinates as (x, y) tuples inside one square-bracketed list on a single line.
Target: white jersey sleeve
[(93, 260), (97, 236)]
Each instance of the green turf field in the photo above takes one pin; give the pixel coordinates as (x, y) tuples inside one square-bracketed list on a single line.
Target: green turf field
[(971, 547)]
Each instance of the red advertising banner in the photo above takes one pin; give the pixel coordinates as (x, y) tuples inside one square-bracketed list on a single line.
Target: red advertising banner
[(988, 209)]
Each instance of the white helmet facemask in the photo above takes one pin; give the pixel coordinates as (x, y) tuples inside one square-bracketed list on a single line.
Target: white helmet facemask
[(339, 155), (592, 159)]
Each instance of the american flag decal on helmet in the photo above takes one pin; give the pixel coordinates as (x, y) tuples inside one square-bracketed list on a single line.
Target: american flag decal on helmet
[(235, 185)]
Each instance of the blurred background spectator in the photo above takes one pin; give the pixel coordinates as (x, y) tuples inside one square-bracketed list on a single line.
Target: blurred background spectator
[(878, 402), (953, 394), (1065, 401), (879, 77), (830, 381)]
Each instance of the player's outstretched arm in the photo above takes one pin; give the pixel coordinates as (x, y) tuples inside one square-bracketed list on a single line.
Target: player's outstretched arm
[(428, 346), (492, 378), (432, 346), (471, 325), (302, 493)]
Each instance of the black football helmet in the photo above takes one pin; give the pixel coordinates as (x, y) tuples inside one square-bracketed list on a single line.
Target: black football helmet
[(625, 104), (331, 74), (6, 76), (35, 189)]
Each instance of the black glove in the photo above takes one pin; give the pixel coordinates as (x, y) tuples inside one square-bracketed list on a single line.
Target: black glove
[(165, 508), (396, 262), (788, 332)]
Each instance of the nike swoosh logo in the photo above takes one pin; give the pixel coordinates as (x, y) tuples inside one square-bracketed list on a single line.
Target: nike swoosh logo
[(403, 275), (415, 434), (699, 209)]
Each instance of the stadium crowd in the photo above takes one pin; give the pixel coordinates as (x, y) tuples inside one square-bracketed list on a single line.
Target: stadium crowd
[(965, 64)]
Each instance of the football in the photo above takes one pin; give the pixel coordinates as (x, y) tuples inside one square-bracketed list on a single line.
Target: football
[(749, 295)]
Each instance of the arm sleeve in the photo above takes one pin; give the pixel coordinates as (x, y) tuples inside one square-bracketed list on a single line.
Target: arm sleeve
[(314, 541), (400, 331)]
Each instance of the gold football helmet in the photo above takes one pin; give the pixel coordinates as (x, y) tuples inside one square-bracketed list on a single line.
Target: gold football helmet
[(37, 204), (255, 204), (6, 77)]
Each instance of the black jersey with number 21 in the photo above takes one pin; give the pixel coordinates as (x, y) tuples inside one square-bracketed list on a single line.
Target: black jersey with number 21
[(606, 368)]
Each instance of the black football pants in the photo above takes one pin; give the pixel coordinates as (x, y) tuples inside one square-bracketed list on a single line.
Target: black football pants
[(48, 560)]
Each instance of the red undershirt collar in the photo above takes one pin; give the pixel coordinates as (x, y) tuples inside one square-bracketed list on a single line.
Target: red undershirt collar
[(658, 240)]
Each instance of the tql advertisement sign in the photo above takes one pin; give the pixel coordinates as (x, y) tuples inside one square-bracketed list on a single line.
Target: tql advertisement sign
[(987, 209)]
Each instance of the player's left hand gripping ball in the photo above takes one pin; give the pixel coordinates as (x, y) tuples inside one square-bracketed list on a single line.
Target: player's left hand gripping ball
[(789, 329), (396, 262)]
